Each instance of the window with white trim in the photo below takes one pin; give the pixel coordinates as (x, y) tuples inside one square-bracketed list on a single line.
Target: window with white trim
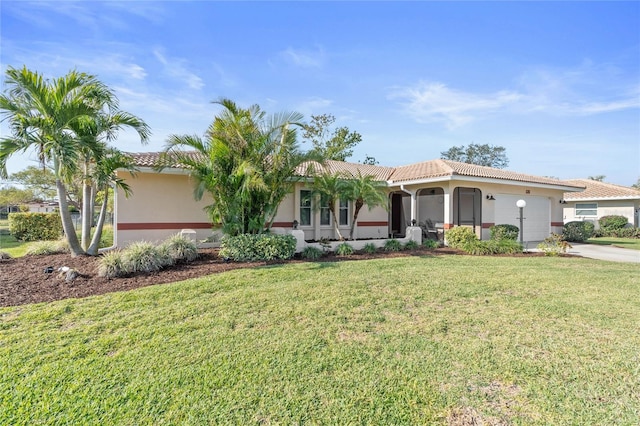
[(325, 213), (344, 212), (305, 207), (586, 209)]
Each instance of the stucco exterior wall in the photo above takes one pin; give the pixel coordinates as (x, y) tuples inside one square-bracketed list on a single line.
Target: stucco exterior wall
[(626, 208)]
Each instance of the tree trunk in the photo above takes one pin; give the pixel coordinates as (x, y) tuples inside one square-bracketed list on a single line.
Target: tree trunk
[(95, 241), (356, 211), (87, 214), (336, 226), (67, 223)]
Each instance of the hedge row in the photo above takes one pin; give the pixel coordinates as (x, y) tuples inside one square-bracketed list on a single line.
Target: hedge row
[(35, 226)]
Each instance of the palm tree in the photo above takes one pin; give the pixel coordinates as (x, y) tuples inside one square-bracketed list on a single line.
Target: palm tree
[(328, 188), (44, 115), (246, 162), (364, 190)]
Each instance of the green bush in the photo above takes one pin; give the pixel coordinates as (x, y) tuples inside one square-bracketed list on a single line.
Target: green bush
[(618, 233), (612, 222), (392, 245), (411, 245), (111, 264), (369, 248), (344, 249), (257, 247), (477, 247), (48, 247), (460, 236), (577, 232), (143, 256), (430, 244), (553, 245), (35, 226), (180, 249), (312, 253), (504, 232)]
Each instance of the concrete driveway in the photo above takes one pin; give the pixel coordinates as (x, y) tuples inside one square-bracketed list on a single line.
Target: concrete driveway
[(613, 254)]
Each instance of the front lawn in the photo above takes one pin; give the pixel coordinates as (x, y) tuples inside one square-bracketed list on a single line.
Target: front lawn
[(414, 340), (630, 243)]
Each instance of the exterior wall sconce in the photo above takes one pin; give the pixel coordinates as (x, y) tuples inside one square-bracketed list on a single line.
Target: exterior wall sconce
[(563, 201), (490, 197), (294, 225)]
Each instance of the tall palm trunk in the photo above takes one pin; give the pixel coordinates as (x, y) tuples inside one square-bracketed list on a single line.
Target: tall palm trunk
[(95, 241), (67, 223), (356, 212)]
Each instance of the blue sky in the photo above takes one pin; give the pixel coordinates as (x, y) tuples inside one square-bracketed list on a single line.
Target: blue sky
[(556, 83)]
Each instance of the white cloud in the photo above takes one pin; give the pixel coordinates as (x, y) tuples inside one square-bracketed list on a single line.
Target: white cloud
[(177, 69), (304, 58)]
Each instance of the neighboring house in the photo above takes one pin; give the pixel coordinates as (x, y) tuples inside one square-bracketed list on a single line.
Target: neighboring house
[(601, 199), (441, 192), (42, 207)]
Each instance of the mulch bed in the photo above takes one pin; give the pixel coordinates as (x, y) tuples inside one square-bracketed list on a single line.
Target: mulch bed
[(23, 280)]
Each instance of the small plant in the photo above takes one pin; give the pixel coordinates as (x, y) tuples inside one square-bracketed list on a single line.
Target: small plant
[(325, 244), (111, 264), (143, 256), (344, 249), (48, 247), (369, 248), (430, 244), (180, 249), (577, 232), (459, 237), (4, 255), (411, 245), (312, 253), (392, 245), (504, 232), (553, 245)]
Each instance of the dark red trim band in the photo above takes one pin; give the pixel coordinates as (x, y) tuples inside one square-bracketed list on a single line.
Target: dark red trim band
[(557, 223), (373, 223), (487, 225), (164, 225)]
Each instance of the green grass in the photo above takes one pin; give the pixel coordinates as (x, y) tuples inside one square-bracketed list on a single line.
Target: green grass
[(416, 340), (15, 248), (629, 243)]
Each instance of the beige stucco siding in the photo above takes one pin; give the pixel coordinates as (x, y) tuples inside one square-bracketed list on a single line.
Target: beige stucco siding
[(161, 205), (626, 208)]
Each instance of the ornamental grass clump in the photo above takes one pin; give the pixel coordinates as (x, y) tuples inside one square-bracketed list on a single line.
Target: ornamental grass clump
[(369, 248), (111, 264), (411, 245), (312, 253), (392, 245), (143, 256), (344, 249), (180, 249), (48, 247)]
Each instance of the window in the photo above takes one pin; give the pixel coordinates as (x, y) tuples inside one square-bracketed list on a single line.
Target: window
[(586, 209), (305, 208), (325, 213), (344, 212)]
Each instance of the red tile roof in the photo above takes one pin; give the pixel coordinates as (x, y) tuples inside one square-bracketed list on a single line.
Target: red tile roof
[(394, 175), (596, 190)]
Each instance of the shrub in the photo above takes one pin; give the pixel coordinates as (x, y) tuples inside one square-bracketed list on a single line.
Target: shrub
[(312, 253), (460, 236), (477, 247), (612, 222), (411, 245), (504, 232), (143, 256), (48, 247), (180, 248), (4, 255), (369, 248), (257, 247), (35, 226), (111, 264), (577, 232), (392, 245), (553, 245), (344, 249), (430, 244)]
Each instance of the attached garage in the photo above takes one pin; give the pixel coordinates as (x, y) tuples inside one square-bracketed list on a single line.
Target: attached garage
[(537, 215)]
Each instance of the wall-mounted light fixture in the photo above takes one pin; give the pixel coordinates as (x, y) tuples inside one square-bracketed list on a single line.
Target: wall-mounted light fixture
[(490, 197), (563, 201)]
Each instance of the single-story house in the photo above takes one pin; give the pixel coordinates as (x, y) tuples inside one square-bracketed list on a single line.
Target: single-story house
[(440, 193), (601, 199)]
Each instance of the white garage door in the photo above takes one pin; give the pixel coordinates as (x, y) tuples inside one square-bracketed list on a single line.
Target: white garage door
[(537, 215)]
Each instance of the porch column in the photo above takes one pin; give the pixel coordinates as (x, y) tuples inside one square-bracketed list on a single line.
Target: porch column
[(448, 209), (414, 204)]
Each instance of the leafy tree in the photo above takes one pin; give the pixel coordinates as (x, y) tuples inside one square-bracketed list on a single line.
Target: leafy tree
[(247, 163), (597, 178), (13, 196), (47, 115), (327, 144), (637, 184), (370, 160), (482, 155), (40, 180), (364, 190)]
